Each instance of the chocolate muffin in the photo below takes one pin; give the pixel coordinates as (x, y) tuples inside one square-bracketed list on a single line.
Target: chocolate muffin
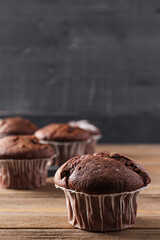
[(67, 141), (23, 162), (16, 126), (94, 131), (101, 190)]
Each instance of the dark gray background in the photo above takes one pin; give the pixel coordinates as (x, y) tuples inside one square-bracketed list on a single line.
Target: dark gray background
[(96, 59)]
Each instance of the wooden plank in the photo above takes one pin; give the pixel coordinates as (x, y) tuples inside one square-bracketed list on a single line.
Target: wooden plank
[(42, 213), (61, 222), (148, 206), (145, 152), (78, 234), (24, 212)]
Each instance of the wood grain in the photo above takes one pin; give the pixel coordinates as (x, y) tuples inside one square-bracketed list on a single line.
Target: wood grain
[(131, 234), (46, 221), (42, 214)]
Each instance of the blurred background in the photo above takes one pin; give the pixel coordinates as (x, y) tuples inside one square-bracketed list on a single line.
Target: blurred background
[(68, 60)]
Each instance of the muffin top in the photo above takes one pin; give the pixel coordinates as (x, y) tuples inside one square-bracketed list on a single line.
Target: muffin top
[(17, 125), (101, 173), (24, 147), (62, 132), (86, 125)]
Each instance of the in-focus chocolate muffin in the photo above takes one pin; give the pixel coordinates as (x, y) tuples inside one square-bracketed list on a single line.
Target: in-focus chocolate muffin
[(16, 126), (101, 190), (23, 162), (94, 131), (67, 141)]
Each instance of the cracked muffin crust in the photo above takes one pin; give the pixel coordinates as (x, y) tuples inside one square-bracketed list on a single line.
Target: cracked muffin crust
[(102, 173), (24, 147), (17, 126), (62, 132)]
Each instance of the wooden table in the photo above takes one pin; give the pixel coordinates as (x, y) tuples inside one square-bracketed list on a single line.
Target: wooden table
[(41, 213)]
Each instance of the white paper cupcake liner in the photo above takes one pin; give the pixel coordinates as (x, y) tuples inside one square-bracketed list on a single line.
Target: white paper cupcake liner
[(66, 150), (91, 145), (97, 137), (23, 173), (108, 212)]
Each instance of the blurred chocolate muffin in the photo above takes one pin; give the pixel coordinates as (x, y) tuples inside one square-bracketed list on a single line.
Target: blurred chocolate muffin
[(94, 131), (67, 141), (23, 162), (101, 190), (16, 126), (62, 132)]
